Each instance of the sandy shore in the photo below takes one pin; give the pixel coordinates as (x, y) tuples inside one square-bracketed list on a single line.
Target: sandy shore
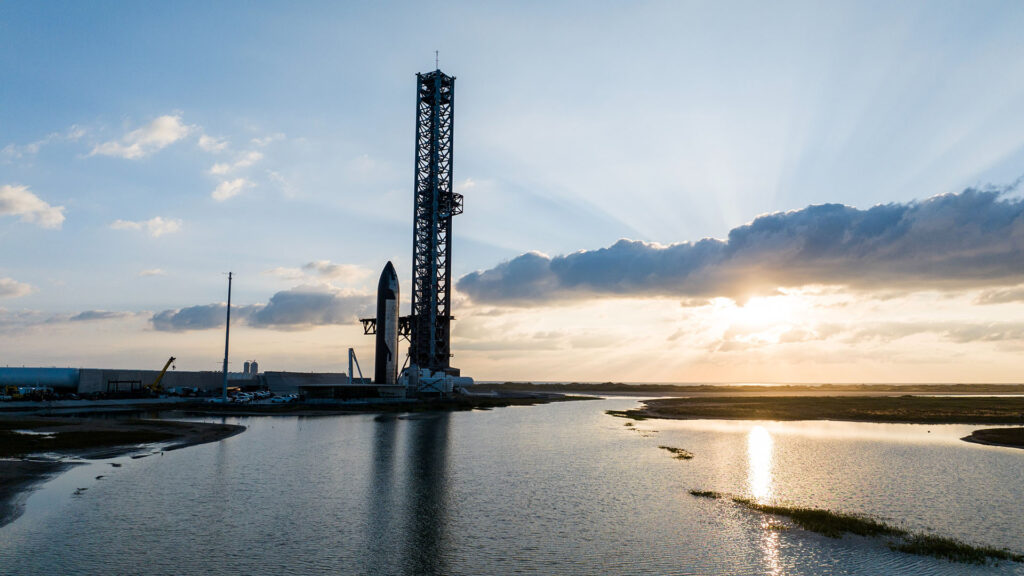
[(84, 438)]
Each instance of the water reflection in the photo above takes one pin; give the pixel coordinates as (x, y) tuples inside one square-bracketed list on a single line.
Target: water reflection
[(759, 463), (427, 503), (382, 521), (770, 547)]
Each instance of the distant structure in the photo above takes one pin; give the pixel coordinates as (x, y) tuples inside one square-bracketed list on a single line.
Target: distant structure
[(434, 206)]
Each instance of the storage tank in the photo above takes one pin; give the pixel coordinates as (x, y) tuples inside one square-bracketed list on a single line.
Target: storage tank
[(254, 368), (245, 370)]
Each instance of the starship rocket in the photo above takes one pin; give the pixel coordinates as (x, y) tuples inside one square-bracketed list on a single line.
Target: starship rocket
[(386, 356)]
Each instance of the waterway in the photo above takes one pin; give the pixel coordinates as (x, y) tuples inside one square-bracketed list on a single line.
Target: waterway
[(552, 489)]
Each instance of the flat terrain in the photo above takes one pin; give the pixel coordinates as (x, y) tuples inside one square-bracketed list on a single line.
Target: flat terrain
[(1013, 437), (83, 438), (690, 390), (895, 409)]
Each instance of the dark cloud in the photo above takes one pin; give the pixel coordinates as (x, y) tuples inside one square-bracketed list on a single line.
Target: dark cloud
[(966, 240), (302, 307), (288, 309)]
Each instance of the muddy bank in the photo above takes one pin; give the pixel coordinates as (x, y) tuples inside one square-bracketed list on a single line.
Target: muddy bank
[(1009, 437), (23, 440), (883, 409)]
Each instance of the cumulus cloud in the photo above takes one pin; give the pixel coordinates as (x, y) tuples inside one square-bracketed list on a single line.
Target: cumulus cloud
[(972, 239), (10, 288), (245, 160), (19, 201), (311, 307), (301, 307), (155, 227), (153, 137), (212, 145), (229, 189), (153, 272)]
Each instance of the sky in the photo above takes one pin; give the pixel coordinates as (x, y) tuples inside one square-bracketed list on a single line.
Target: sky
[(654, 191)]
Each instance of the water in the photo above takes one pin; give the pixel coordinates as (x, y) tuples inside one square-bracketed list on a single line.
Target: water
[(554, 489)]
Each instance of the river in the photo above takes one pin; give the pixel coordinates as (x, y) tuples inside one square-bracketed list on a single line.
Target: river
[(552, 489)]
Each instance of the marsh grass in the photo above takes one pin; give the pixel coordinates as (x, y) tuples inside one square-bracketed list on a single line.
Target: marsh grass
[(707, 494), (836, 524), (678, 453), (631, 414), (953, 550)]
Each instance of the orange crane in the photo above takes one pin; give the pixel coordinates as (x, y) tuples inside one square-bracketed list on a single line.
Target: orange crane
[(155, 387)]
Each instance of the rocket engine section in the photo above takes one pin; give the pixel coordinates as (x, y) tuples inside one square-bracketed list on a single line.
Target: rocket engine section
[(386, 356)]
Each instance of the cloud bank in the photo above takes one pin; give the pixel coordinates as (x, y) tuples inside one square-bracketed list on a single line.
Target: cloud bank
[(302, 307), (973, 239), (10, 288), (19, 201), (153, 137)]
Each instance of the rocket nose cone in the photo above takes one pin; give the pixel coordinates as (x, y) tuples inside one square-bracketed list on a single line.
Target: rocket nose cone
[(388, 278)]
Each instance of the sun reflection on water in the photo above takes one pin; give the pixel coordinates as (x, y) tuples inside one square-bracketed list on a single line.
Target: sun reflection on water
[(759, 462)]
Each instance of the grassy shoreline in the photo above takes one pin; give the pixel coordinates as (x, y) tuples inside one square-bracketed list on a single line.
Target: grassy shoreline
[(836, 524)]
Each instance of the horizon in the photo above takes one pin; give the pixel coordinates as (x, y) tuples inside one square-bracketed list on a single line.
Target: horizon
[(795, 194)]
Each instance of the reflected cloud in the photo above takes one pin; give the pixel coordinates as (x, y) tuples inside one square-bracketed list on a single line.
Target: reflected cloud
[(759, 462)]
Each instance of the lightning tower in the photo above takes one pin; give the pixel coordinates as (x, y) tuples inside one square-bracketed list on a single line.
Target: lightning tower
[(434, 206)]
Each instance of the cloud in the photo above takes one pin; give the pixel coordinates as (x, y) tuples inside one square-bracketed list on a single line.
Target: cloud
[(152, 137), (19, 201), (968, 240), (306, 306), (212, 145), (264, 141), (90, 315), (153, 272), (1004, 296), (246, 160), (229, 189), (10, 288), (15, 151), (155, 227), (327, 269), (301, 307)]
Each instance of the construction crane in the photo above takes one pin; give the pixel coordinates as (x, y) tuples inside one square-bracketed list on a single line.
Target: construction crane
[(155, 387)]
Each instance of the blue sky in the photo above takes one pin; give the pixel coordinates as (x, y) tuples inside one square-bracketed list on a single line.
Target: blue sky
[(182, 140)]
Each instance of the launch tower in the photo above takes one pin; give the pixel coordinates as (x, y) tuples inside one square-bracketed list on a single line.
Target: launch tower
[(434, 206)]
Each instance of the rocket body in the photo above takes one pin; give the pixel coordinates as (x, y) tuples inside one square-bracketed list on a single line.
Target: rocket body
[(386, 355)]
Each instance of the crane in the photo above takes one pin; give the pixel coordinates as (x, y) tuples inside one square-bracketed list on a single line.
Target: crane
[(155, 387)]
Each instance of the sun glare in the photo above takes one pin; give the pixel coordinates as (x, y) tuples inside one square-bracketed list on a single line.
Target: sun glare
[(759, 462)]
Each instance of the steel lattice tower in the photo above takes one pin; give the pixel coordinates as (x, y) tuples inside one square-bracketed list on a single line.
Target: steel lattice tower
[(434, 206)]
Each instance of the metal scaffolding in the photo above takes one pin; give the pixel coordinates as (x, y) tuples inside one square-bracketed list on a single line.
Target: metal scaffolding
[(434, 206)]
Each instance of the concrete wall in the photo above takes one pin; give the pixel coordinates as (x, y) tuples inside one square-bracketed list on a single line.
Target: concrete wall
[(105, 379)]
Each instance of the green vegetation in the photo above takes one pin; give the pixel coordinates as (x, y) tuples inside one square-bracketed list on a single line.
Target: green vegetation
[(827, 522), (678, 453), (1013, 437), (631, 414), (953, 550), (836, 524), (908, 409), (707, 494)]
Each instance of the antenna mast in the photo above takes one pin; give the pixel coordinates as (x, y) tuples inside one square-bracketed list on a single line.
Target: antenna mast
[(227, 334)]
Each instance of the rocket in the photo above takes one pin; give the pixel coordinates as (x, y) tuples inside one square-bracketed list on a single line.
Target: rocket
[(386, 356)]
